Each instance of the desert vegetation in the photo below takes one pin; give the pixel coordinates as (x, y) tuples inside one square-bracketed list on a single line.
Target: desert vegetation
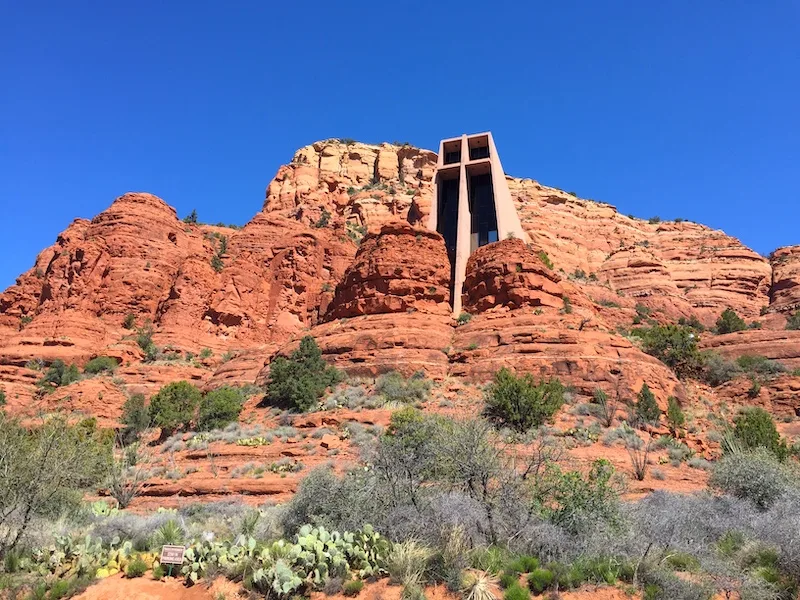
[(465, 502), (484, 503)]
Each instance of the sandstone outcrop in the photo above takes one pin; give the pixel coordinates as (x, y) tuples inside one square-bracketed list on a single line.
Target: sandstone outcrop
[(401, 268), (363, 184), (569, 346), (786, 279), (509, 273), (240, 295), (781, 345), (780, 395)]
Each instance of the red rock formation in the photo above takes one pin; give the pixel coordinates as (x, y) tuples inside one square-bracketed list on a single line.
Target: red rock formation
[(780, 395), (572, 347), (509, 273), (291, 270), (374, 344), (402, 268), (780, 345), (366, 185), (786, 279), (699, 270)]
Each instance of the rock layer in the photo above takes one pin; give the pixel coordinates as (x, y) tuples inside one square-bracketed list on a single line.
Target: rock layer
[(297, 268), (508, 273), (786, 279), (401, 268)]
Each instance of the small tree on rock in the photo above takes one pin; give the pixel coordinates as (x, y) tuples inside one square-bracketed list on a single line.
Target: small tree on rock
[(793, 322), (729, 322), (218, 408), (647, 409), (521, 402), (300, 380), (754, 428), (135, 418), (675, 417), (173, 407)]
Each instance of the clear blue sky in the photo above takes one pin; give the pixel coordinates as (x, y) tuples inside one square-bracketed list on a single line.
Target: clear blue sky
[(678, 109)]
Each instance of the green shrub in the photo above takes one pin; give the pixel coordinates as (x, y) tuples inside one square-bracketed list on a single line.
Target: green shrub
[(729, 321), (567, 305), (158, 573), (46, 470), (173, 407), (681, 561), (575, 500), (491, 559), (693, 322), (754, 427), (654, 220), (407, 561), (463, 318), (755, 388), (2, 397), (144, 339), (298, 382), (793, 322), (100, 364), (545, 259), (762, 365), (539, 580), (135, 418), (396, 388), (523, 564), (59, 589), (673, 345), (136, 568), (59, 374), (353, 587), (191, 217), (218, 408), (509, 579), (130, 321), (520, 402), (754, 475), (206, 353), (516, 592), (675, 417), (647, 409), (324, 219), (412, 591), (717, 370)]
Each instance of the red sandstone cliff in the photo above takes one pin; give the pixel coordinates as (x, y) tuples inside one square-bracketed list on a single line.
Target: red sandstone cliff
[(297, 267)]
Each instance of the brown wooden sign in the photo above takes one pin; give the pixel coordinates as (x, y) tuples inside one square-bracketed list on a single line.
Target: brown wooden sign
[(172, 555)]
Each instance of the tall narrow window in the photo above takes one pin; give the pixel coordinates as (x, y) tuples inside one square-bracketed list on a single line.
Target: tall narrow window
[(484, 216)]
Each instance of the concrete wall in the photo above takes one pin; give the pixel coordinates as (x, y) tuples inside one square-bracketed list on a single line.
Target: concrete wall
[(508, 223)]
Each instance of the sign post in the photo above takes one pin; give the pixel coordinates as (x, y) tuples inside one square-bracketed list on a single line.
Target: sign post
[(172, 555)]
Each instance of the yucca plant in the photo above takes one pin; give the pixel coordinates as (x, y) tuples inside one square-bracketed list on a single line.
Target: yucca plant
[(170, 533), (479, 585)]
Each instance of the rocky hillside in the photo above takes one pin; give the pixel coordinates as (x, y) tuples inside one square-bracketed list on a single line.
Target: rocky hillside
[(338, 251)]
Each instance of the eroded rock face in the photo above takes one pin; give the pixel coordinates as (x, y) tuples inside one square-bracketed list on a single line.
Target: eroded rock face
[(138, 258), (780, 345), (509, 273), (401, 268), (370, 345), (297, 268), (697, 269), (786, 279), (779, 395), (363, 184), (572, 347)]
